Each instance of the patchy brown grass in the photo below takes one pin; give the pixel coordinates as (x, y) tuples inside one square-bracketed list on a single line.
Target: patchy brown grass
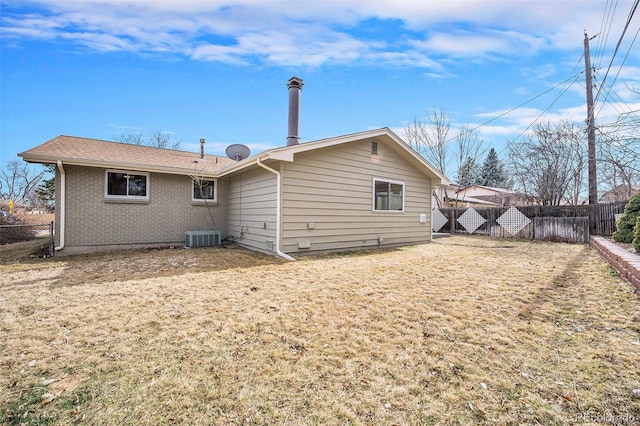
[(15, 255), (461, 331)]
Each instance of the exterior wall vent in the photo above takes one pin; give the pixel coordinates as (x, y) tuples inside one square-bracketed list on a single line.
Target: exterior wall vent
[(304, 244), (202, 239)]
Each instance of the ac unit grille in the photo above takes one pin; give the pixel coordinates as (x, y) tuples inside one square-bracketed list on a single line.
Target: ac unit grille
[(202, 238)]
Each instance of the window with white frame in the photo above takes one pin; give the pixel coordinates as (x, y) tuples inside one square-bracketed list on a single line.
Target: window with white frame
[(388, 195), (204, 189), (120, 184)]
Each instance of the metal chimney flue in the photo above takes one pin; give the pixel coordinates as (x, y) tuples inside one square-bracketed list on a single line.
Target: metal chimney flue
[(201, 148), (295, 87)]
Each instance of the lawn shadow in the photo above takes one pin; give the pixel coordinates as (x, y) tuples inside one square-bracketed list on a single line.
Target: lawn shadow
[(564, 280)]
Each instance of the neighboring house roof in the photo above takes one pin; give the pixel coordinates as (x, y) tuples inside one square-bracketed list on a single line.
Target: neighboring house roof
[(452, 195), (488, 188), (98, 153)]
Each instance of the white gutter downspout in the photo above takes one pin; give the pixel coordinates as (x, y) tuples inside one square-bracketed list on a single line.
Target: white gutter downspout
[(63, 202), (278, 208)]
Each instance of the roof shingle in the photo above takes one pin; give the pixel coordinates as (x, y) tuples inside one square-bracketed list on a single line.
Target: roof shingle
[(99, 153)]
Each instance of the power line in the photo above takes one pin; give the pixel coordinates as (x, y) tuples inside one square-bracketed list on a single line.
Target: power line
[(546, 110), (619, 70), (631, 13), (574, 77), (605, 29), (618, 104)]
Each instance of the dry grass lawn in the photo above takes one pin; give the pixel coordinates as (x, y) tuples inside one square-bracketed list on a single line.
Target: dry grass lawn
[(461, 331)]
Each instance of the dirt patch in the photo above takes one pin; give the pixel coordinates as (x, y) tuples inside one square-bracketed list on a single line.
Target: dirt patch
[(461, 331)]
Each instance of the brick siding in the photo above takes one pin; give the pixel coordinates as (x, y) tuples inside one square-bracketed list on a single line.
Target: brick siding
[(93, 221)]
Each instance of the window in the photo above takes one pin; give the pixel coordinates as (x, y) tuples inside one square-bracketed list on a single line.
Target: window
[(388, 195), (204, 189), (127, 185)]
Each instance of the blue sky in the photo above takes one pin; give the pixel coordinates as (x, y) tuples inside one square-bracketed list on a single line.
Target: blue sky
[(218, 69)]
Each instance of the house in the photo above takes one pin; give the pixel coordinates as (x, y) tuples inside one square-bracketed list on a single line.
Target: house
[(619, 194), (361, 190), (450, 196), (353, 191), (496, 196)]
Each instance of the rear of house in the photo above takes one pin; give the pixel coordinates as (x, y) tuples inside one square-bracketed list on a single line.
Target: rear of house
[(362, 190), (357, 191), (366, 189)]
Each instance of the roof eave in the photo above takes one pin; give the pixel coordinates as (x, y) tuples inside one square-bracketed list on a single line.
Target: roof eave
[(47, 159)]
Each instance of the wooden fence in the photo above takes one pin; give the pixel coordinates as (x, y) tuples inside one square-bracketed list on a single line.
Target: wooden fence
[(550, 223), (604, 218)]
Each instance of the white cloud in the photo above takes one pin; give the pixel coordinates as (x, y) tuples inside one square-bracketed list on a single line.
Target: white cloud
[(480, 43), (283, 32)]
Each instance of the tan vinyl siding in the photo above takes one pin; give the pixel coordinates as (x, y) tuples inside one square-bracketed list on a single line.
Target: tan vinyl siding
[(93, 222), (331, 191), (252, 209)]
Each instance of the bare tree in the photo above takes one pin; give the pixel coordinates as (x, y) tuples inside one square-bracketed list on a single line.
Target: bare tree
[(619, 155), (18, 181), (549, 164), (200, 185), (469, 149), (158, 139), (619, 170), (133, 138), (429, 138)]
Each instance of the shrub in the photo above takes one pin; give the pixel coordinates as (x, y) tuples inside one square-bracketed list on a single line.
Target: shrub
[(636, 238), (627, 222)]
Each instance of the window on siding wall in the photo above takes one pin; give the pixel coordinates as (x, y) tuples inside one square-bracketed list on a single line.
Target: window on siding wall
[(204, 189), (388, 195), (127, 185)]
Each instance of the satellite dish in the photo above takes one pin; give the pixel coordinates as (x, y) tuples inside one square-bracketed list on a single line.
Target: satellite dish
[(237, 152)]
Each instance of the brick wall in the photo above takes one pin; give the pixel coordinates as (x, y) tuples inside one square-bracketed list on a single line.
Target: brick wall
[(93, 221), (626, 263)]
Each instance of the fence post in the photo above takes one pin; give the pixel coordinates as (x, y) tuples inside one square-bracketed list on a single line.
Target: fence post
[(51, 242)]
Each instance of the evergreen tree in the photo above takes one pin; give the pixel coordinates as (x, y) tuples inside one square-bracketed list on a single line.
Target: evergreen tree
[(45, 194), (636, 238), (469, 173), (625, 226), (492, 171)]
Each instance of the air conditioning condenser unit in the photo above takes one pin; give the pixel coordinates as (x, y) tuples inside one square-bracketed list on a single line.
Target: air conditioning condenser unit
[(202, 239)]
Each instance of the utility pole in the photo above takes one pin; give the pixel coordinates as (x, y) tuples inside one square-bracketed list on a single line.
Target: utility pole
[(591, 131)]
